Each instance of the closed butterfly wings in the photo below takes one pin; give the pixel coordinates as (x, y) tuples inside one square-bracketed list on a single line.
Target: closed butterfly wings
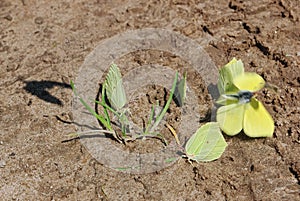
[(231, 70), (226, 75), (114, 88), (207, 144)]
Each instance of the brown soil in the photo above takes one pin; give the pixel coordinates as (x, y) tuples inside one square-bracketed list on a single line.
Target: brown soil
[(44, 43)]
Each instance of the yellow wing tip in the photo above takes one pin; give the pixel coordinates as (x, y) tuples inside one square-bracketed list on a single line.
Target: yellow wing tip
[(228, 131), (267, 133)]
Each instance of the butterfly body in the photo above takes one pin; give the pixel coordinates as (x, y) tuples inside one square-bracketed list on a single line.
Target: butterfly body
[(242, 96)]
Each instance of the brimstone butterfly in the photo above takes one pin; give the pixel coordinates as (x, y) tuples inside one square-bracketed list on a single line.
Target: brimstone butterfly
[(242, 110), (114, 88), (206, 144)]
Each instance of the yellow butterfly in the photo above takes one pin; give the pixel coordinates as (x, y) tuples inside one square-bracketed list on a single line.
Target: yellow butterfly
[(241, 110)]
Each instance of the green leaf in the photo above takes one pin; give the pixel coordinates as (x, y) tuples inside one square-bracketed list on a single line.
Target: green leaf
[(180, 91), (207, 144), (114, 88), (102, 119)]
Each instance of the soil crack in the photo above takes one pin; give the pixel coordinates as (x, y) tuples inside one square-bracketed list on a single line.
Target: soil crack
[(295, 171), (264, 49)]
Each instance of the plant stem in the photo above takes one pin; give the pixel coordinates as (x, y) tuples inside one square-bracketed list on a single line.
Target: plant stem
[(149, 120), (103, 101), (163, 112), (99, 117), (121, 116)]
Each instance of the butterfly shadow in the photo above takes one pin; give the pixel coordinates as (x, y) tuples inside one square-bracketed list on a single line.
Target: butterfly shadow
[(213, 91), (241, 136), (40, 89)]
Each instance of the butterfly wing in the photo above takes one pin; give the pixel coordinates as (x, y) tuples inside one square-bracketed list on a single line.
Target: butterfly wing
[(206, 144), (114, 88), (257, 120), (195, 143), (226, 75), (214, 144), (230, 118), (249, 81), (118, 96)]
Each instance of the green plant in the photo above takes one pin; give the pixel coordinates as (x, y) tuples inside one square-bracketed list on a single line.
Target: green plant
[(113, 91), (240, 110)]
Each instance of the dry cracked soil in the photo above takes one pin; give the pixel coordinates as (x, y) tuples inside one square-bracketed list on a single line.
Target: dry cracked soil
[(42, 46)]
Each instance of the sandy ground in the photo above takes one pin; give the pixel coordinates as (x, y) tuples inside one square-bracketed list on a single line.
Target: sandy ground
[(43, 44)]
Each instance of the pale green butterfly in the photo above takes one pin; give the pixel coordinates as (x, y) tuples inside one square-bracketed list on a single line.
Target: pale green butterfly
[(114, 88), (207, 144)]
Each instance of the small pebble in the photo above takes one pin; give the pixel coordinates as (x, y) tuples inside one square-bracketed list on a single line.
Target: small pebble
[(8, 17), (2, 164), (39, 20)]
